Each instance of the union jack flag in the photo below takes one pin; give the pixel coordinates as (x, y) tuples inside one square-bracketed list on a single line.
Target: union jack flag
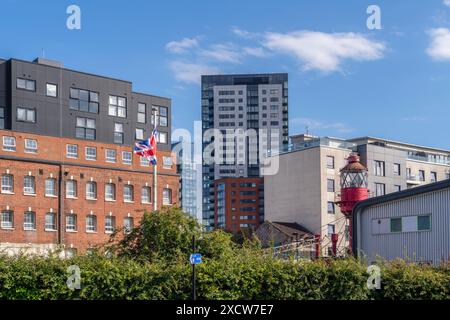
[(147, 148)]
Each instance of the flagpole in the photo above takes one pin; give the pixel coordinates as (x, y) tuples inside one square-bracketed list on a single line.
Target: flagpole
[(155, 170)]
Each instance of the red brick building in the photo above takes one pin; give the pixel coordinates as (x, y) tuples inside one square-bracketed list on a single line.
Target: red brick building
[(61, 191), (238, 203)]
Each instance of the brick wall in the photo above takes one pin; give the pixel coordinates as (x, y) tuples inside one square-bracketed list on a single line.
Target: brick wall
[(48, 162)]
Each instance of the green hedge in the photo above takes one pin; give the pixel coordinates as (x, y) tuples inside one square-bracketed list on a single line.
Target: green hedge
[(242, 276)]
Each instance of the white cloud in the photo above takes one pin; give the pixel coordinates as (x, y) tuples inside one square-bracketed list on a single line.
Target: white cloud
[(439, 48), (255, 52), (182, 45), (191, 72), (223, 52), (243, 33), (313, 124), (324, 51), (446, 3)]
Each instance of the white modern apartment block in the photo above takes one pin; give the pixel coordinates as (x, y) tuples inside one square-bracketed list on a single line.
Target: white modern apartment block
[(308, 182)]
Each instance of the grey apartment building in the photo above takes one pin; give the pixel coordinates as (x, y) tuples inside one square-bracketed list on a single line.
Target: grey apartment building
[(308, 182), (44, 98), (240, 102)]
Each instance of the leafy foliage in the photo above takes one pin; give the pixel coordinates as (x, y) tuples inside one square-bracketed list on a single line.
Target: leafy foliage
[(152, 263)]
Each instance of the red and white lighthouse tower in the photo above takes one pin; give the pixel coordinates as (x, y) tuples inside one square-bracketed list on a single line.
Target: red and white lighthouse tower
[(354, 188)]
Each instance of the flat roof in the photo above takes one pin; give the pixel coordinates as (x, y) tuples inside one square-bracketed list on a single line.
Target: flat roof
[(402, 194), (399, 143), (86, 73)]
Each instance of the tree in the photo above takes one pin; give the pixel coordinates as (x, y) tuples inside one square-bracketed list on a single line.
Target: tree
[(164, 235)]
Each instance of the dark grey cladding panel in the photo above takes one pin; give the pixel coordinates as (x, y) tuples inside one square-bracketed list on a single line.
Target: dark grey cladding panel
[(55, 118)]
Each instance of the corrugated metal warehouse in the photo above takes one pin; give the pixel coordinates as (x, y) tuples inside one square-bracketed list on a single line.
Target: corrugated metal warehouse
[(413, 224)]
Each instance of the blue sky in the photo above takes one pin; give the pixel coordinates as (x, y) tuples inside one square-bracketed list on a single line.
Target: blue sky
[(344, 79)]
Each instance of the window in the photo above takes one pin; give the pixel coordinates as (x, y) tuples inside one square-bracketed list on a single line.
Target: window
[(50, 221), (330, 185), (91, 223), (144, 162), (31, 146), (396, 225), (397, 188), (26, 114), (26, 84), (408, 173), (128, 224), (330, 207), (421, 175), (52, 90), (167, 196), (139, 134), (433, 176), (162, 115), (7, 183), (29, 185), (71, 222), (117, 106), (397, 168), (110, 155), (110, 192), (118, 132), (72, 151), (91, 190), (424, 223), (380, 189), (146, 195), (126, 157), (110, 224), (128, 193), (162, 137), (330, 162), (379, 168), (91, 153), (447, 176), (85, 128), (50, 187), (84, 100), (29, 221), (167, 162), (7, 220), (71, 189), (2, 117), (330, 229), (141, 116), (9, 143)]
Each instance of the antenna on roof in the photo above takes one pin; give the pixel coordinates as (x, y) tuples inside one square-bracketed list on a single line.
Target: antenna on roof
[(43, 53)]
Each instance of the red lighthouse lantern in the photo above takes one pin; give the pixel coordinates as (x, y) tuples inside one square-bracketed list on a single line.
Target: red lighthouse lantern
[(354, 188)]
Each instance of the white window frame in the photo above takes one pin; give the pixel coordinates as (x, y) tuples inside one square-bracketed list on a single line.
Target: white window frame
[(110, 224), (7, 224), (53, 191), (91, 228), (110, 159), (91, 157), (167, 199), (29, 188), (69, 153), (110, 196), (7, 145), (160, 139), (52, 227), (128, 224), (29, 225), (71, 193), (91, 194), (149, 195), (141, 136), (71, 227), (8, 188), (128, 196), (33, 148), (144, 162), (127, 160)]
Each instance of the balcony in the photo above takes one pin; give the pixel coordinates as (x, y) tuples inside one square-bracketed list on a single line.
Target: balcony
[(430, 158), (411, 179)]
